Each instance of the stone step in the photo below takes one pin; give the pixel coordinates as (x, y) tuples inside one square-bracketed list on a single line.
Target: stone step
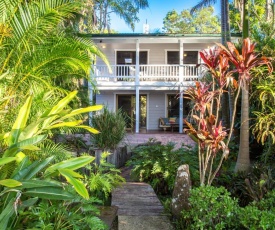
[(144, 223), (139, 208)]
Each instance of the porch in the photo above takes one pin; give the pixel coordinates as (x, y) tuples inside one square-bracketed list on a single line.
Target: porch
[(133, 139)]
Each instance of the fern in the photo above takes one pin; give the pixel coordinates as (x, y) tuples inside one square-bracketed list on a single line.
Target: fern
[(103, 178)]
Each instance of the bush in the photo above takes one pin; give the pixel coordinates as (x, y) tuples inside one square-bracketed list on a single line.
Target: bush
[(211, 208), (259, 215), (102, 178), (157, 164), (112, 128)]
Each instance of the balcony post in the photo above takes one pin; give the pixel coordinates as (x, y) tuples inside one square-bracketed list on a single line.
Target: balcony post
[(180, 88), (91, 102), (137, 86), (181, 61), (181, 111)]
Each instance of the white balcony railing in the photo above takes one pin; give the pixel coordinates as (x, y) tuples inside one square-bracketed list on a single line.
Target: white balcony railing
[(147, 73)]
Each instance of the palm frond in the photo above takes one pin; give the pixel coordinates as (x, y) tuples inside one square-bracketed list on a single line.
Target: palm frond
[(202, 4)]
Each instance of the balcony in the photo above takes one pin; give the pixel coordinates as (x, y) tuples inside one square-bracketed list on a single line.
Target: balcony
[(147, 76)]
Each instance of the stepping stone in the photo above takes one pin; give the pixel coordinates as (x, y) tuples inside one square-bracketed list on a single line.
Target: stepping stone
[(139, 208)]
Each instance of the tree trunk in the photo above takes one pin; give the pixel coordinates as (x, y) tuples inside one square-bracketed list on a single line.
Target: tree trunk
[(269, 10), (243, 161), (225, 29), (245, 20)]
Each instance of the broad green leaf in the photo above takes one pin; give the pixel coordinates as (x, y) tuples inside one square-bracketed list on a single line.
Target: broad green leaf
[(90, 129), (31, 141), (83, 110), (38, 168), (11, 151), (73, 163), (49, 193), (10, 183), (32, 129), (62, 103), (6, 214), (35, 183), (29, 202), (6, 160), (30, 147), (58, 108), (19, 157), (65, 124), (20, 121), (23, 173), (23, 164), (78, 185), (72, 173)]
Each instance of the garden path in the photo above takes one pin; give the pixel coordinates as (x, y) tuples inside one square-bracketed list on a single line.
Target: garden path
[(139, 208)]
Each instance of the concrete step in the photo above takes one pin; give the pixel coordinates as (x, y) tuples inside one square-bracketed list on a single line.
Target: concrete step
[(139, 208), (144, 223)]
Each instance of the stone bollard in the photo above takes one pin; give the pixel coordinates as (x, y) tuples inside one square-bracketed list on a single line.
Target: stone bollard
[(181, 191)]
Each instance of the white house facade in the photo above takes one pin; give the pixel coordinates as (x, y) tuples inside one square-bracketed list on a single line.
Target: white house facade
[(148, 74)]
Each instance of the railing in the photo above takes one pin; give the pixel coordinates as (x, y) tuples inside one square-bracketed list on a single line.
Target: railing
[(147, 73)]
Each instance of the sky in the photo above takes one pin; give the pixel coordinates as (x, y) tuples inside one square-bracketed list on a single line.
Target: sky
[(154, 15)]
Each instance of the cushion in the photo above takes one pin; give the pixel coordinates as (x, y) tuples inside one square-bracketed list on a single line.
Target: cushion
[(172, 119), (161, 121)]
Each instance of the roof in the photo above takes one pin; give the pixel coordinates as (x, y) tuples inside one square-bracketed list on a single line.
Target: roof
[(168, 35), (156, 38)]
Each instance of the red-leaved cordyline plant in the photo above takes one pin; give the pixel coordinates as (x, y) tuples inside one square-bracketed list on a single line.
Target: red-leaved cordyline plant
[(243, 63), (209, 132)]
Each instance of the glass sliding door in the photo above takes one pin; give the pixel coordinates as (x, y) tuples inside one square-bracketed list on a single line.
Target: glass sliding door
[(173, 106), (127, 103)]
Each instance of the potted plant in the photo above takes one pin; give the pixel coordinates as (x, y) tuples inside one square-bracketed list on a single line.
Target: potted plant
[(112, 128)]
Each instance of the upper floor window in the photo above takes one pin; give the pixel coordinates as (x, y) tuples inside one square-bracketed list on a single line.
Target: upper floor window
[(129, 57), (189, 57)]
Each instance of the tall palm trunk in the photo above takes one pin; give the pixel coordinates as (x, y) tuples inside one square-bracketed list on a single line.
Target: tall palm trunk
[(243, 161), (225, 28)]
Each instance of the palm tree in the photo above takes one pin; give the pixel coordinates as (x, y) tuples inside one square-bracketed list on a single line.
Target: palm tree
[(101, 10), (224, 16), (37, 55)]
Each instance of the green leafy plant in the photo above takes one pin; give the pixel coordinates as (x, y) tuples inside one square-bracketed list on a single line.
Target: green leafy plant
[(22, 180), (75, 214), (211, 208), (259, 215), (102, 178), (157, 164), (112, 128)]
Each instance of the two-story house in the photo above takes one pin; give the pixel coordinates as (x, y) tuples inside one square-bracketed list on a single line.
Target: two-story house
[(149, 74)]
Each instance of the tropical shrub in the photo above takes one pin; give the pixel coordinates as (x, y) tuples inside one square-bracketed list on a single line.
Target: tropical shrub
[(112, 129), (259, 215), (75, 214), (157, 164), (102, 178), (23, 181), (211, 208), (38, 55)]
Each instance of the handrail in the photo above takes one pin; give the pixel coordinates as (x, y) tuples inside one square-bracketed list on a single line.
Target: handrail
[(155, 72)]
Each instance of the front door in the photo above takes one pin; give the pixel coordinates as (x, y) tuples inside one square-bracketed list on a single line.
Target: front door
[(127, 103)]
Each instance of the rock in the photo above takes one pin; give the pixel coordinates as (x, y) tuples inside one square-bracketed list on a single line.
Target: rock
[(181, 191)]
